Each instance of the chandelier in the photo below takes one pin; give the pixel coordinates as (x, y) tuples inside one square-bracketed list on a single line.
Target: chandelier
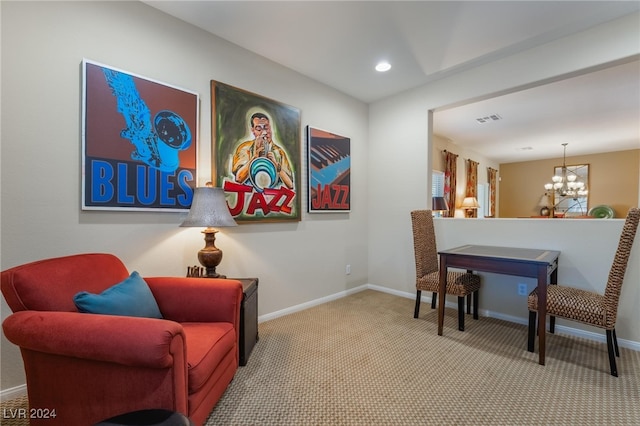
[(567, 184)]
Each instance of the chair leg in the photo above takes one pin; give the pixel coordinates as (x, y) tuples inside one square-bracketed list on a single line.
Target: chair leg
[(612, 356), (552, 324), (469, 297), (475, 304), (461, 313), (615, 343), (532, 331), (416, 311), (434, 298)]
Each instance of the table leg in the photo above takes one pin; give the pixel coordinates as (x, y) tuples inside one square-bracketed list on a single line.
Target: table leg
[(554, 281), (442, 292), (542, 312)]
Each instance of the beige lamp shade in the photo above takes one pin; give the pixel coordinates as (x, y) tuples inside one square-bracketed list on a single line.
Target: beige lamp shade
[(544, 201), (470, 203)]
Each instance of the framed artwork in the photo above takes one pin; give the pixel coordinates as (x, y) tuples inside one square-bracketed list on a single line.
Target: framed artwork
[(256, 154), (329, 159), (138, 142)]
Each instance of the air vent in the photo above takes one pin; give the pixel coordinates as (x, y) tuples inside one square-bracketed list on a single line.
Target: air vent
[(488, 119)]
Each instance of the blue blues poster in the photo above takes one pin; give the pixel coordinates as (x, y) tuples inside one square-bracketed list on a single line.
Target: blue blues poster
[(139, 142), (329, 157)]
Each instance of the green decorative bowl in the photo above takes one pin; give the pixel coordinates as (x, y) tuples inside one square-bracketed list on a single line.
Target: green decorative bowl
[(602, 212)]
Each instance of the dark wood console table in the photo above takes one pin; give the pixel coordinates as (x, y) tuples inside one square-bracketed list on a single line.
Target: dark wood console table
[(523, 262)]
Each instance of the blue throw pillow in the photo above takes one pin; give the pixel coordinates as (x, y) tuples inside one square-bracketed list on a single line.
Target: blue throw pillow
[(132, 297)]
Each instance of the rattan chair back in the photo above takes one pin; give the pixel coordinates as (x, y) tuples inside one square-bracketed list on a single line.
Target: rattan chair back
[(619, 266), (424, 242)]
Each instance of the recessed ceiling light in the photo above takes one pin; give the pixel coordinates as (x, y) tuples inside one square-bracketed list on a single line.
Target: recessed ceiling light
[(383, 66)]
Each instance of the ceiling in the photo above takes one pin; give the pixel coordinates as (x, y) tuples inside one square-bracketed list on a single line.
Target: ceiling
[(594, 112), (338, 43)]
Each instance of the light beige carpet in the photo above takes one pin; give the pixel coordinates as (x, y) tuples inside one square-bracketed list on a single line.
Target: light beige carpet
[(364, 360)]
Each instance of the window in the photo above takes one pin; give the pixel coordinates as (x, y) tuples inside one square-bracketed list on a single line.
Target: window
[(437, 187), (437, 184)]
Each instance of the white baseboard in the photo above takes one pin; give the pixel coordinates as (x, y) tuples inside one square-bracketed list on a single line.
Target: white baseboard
[(311, 304), (13, 393), (560, 329)]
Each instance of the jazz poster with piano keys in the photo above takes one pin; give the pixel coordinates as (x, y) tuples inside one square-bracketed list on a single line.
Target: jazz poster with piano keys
[(329, 157), (138, 142)]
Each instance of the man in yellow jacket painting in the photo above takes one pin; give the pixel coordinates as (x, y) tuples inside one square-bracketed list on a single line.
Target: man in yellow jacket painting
[(258, 173)]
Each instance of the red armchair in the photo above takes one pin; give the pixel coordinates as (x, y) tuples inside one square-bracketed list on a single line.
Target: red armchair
[(90, 367)]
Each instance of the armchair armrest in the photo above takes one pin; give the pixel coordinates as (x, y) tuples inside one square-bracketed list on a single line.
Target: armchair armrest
[(197, 299), (131, 341)]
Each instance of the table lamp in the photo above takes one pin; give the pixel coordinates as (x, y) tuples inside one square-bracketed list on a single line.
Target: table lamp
[(545, 202), (439, 204), (208, 209), (469, 204)]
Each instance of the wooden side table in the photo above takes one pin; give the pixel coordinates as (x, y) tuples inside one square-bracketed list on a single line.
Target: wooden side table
[(248, 312), (248, 317)]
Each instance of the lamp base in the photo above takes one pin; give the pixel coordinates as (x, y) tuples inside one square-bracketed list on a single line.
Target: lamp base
[(545, 211), (210, 256)]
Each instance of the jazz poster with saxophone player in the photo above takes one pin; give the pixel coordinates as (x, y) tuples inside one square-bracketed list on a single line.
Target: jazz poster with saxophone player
[(138, 144), (256, 154)]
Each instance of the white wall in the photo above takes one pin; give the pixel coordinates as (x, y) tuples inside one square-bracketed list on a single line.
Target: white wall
[(399, 132), (296, 262), (42, 48)]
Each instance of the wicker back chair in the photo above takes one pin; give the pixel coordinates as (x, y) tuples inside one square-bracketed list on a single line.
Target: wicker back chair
[(586, 306), (460, 284)]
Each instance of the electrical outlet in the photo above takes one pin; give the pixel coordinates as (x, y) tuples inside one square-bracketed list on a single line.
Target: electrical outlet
[(522, 289), (347, 270)]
